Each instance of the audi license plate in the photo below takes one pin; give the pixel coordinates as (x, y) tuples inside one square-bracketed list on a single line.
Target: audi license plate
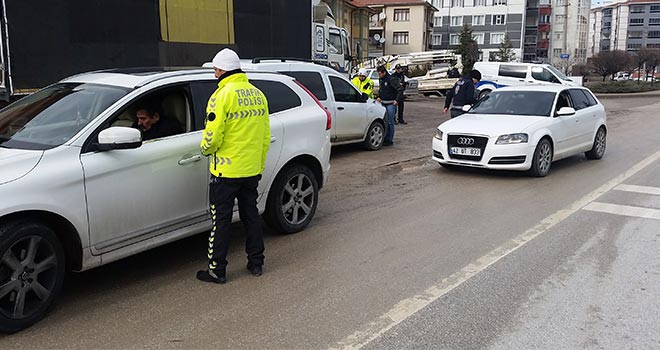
[(466, 151)]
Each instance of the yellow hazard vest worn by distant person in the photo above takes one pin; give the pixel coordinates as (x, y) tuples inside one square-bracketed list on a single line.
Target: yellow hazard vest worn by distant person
[(237, 131), (366, 86)]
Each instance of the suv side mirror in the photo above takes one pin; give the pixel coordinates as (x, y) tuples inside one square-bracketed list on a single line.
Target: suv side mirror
[(365, 97), (119, 137), (565, 111)]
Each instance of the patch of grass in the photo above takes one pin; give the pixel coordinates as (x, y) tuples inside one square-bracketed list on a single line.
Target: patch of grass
[(627, 86)]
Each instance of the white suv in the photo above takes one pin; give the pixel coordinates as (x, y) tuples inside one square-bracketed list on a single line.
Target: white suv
[(80, 188), (355, 118)]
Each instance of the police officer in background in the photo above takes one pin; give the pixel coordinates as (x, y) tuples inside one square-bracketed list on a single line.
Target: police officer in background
[(398, 73), (463, 93), (236, 138), (364, 83)]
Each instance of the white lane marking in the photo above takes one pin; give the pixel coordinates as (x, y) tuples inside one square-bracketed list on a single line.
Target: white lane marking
[(625, 210), (639, 189), (408, 307)]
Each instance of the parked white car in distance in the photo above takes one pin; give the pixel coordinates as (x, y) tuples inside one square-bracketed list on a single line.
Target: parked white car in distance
[(495, 75), (524, 128)]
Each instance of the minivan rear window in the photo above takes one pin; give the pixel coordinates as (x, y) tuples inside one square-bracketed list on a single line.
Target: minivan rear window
[(312, 81), (280, 97), (514, 71)]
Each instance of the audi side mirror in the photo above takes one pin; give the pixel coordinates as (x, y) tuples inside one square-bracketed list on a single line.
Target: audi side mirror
[(565, 111)]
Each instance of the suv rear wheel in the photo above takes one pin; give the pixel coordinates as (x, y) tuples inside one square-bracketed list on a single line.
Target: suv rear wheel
[(293, 199), (32, 266)]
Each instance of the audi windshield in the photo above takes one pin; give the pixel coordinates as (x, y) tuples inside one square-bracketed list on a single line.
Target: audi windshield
[(524, 103), (50, 117)]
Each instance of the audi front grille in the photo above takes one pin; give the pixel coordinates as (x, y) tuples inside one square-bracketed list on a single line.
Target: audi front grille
[(467, 141)]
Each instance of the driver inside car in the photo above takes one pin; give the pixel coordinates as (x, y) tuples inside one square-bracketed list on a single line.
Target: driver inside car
[(154, 125)]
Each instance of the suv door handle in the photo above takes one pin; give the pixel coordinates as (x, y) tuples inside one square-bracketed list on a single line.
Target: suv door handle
[(340, 108), (195, 158), (273, 139)]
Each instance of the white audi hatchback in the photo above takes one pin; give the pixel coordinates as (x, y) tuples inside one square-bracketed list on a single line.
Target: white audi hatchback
[(524, 128), (79, 188)]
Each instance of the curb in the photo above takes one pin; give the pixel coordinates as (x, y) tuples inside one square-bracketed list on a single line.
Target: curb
[(629, 95)]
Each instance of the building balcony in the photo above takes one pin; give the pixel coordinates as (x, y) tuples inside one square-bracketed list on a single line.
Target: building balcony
[(544, 27), (543, 44), (545, 11)]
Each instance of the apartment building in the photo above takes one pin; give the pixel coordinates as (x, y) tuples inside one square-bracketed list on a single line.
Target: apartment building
[(491, 21), (629, 25), (399, 26), (353, 15)]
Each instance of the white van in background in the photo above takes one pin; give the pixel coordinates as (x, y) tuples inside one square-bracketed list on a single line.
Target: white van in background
[(500, 74)]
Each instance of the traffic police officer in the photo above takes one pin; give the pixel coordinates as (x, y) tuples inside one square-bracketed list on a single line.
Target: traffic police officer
[(364, 83), (236, 138), (463, 93)]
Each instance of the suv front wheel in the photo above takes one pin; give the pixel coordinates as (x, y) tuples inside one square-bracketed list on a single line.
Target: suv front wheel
[(32, 266), (292, 200), (375, 136)]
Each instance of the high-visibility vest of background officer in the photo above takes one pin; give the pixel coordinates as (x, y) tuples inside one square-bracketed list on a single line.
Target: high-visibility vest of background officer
[(236, 138), (364, 83)]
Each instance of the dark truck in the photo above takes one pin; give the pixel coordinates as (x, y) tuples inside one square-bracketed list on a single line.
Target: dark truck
[(45, 41)]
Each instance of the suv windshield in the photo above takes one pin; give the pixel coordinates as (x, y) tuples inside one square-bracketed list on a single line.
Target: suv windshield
[(50, 117), (559, 73), (529, 103)]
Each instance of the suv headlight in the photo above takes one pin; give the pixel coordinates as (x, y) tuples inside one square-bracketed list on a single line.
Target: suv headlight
[(438, 134), (511, 139)]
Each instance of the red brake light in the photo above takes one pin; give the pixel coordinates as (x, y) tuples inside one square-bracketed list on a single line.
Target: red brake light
[(328, 123)]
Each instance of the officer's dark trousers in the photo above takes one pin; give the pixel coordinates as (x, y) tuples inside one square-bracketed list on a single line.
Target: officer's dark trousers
[(455, 112), (223, 192), (399, 107)]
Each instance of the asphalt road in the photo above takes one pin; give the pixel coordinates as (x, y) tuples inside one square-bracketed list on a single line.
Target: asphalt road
[(405, 254)]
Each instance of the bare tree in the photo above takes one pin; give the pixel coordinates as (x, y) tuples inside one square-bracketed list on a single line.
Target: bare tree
[(639, 59), (610, 62), (652, 63), (565, 64)]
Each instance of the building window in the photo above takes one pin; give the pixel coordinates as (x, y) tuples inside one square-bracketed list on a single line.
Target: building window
[(479, 38), (653, 46), (437, 3), (496, 38), (561, 2), (544, 19), (637, 21), (454, 39), (478, 20), (607, 13), (557, 36), (436, 40), (437, 21), (654, 21), (479, 2), (634, 47), (457, 3), (401, 15), (556, 52), (637, 9), (456, 21), (655, 8), (400, 38), (635, 35), (499, 2), (560, 19), (498, 20), (654, 34), (446, 3)]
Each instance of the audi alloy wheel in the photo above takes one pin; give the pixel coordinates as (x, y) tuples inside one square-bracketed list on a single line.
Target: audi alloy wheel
[(542, 159), (600, 143)]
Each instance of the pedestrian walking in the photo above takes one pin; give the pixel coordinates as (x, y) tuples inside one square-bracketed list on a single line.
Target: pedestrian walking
[(389, 92), (237, 148), (463, 93)]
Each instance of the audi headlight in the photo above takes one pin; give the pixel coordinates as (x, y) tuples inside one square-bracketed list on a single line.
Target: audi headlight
[(511, 139), (438, 134)]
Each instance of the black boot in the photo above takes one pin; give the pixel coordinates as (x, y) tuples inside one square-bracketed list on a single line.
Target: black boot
[(212, 276)]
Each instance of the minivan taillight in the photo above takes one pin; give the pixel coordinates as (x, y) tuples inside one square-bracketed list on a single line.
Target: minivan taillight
[(328, 123)]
